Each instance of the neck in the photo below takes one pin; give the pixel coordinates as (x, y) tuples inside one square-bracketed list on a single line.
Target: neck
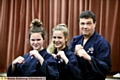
[(85, 40), (59, 49), (41, 49)]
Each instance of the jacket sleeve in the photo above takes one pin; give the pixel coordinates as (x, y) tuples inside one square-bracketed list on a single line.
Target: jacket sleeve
[(11, 73), (49, 68), (72, 67), (74, 71), (101, 63), (17, 71), (72, 44)]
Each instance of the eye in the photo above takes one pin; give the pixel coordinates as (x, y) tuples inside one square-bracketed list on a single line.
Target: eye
[(32, 39), (89, 23), (82, 23), (54, 37), (38, 39), (59, 37)]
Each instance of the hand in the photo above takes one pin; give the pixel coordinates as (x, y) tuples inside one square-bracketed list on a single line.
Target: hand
[(63, 56), (35, 53), (54, 55), (78, 47), (82, 53), (19, 59)]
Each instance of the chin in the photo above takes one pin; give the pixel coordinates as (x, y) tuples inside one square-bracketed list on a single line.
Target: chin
[(57, 46), (36, 48), (85, 34)]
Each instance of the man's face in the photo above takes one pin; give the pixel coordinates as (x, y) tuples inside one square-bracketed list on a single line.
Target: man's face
[(86, 26)]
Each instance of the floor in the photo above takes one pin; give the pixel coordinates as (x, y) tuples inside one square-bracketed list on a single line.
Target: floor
[(3, 75), (110, 77)]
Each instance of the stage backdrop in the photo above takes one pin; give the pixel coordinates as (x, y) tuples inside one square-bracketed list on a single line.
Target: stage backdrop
[(16, 15)]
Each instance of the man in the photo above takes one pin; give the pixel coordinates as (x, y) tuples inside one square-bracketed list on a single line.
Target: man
[(91, 49)]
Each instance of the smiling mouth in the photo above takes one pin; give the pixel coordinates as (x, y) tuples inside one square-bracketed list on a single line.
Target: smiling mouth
[(57, 43), (36, 45), (85, 30)]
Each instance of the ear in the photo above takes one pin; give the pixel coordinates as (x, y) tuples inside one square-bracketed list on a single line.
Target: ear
[(66, 38), (94, 25)]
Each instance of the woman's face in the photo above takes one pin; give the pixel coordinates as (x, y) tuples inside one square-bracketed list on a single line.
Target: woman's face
[(59, 40), (36, 41)]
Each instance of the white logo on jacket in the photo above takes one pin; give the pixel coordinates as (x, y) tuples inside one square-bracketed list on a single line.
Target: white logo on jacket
[(90, 50)]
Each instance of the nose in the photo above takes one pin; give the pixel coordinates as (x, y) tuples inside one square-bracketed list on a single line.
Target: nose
[(85, 26), (35, 41), (56, 39)]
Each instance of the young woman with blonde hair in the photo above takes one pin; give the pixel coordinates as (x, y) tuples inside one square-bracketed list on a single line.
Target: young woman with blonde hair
[(67, 62)]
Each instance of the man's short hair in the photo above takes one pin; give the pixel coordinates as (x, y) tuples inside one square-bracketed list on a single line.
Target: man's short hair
[(88, 14)]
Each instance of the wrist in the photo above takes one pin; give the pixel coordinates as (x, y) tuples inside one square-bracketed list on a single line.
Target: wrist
[(66, 60), (41, 60), (89, 60)]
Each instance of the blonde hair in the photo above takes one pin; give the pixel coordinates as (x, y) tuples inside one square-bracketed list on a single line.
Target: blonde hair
[(59, 27)]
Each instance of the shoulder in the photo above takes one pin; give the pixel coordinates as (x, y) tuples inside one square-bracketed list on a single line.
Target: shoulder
[(69, 53), (77, 37), (101, 41), (74, 41), (46, 55), (26, 55)]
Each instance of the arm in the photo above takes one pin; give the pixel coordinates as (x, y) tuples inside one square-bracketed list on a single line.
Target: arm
[(101, 63), (13, 69), (14, 73), (72, 67), (72, 45), (48, 68)]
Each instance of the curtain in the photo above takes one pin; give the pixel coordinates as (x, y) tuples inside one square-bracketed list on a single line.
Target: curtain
[(16, 15)]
